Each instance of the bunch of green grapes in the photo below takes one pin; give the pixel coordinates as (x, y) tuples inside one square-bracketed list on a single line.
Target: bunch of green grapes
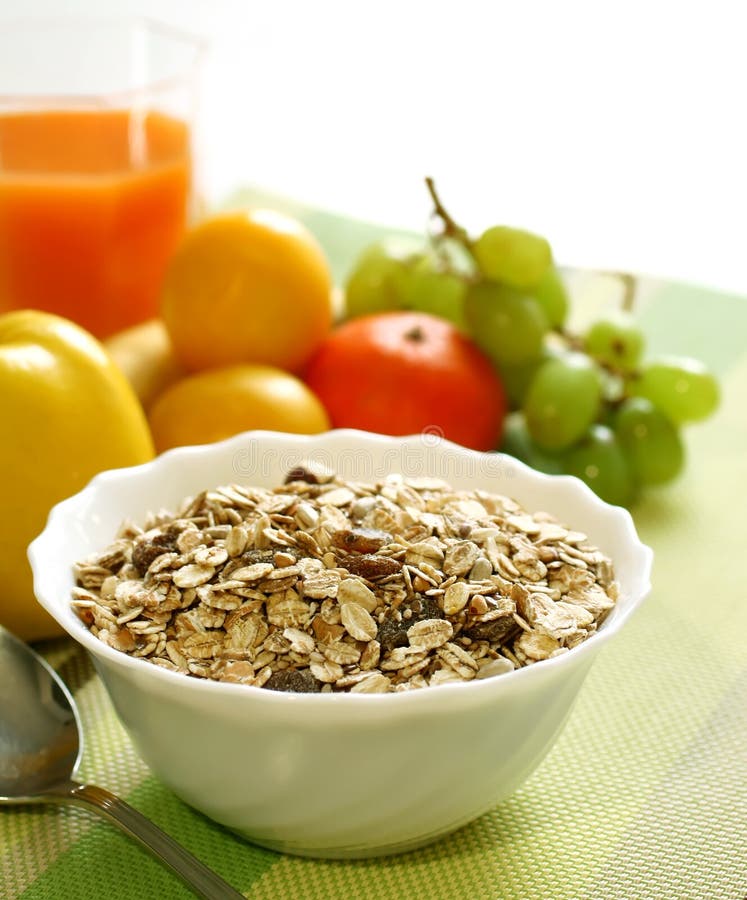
[(582, 404)]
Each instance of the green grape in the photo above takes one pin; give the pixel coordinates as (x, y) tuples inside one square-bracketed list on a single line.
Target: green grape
[(682, 388), (552, 296), (379, 276), (518, 442), (651, 442), (615, 340), (599, 460), (512, 256), (507, 325), (436, 292), (516, 379), (563, 400)]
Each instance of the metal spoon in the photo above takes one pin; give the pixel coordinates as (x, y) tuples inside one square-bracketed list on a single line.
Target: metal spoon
[(40, 749)]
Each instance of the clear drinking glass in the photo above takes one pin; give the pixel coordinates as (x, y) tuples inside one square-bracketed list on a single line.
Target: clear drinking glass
[(97, 125)]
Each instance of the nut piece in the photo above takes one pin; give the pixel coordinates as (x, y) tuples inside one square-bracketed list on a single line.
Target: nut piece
[(455, 598)]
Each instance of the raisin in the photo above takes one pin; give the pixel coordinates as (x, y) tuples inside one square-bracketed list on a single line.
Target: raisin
[(429, 609), (299, 681), (148, 549), (497, 631), (361, 540), (372, 567), (299, 473), (392, 633)]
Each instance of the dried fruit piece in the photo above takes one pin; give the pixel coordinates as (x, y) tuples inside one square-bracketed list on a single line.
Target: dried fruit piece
[(299, 681), (372, 567), (310, 473), (361, 540), (149, 547)]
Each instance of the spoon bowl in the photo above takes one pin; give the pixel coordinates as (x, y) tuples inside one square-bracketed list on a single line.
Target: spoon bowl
[(40, 748), (39, 730)]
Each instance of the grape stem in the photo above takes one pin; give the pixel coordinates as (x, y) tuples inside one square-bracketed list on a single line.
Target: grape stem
[(629, 288), (450, 227)]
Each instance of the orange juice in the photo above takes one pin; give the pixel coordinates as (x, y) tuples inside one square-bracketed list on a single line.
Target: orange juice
[(92, 205)]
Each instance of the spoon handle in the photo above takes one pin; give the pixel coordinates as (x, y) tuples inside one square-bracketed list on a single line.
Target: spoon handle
[(198, 877)]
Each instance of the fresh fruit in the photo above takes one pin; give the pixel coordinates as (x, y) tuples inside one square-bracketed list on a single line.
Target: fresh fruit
[(581, 403), (67, 414), (682, 388), (377, 280), (651, 443), (518, 442), (429, 289), (214, 405), (145, 355), (615, 340), (563, 401), (512, 256), (552, 296), (598, 459), (507, 325), (516, 380), (404, 373), (247, 287)]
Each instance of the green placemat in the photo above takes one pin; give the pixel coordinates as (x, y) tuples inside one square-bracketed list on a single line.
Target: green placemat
[(643, 796)]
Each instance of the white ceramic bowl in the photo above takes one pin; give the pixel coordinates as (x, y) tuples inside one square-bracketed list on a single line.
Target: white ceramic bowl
[(335, 775)]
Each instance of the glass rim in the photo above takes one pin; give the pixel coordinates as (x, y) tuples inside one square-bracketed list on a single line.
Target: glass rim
[(106, 99)]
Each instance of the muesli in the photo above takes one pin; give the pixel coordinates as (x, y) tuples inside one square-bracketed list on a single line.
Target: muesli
[(323, 584)]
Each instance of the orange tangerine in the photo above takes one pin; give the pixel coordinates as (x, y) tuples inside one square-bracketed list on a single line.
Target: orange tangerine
[(247, 287), (210, 406)]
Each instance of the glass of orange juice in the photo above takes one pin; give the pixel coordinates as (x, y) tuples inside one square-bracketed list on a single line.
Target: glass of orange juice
[(97, 121)]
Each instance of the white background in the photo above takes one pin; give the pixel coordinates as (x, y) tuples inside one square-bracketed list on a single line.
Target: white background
[(617, 129)]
